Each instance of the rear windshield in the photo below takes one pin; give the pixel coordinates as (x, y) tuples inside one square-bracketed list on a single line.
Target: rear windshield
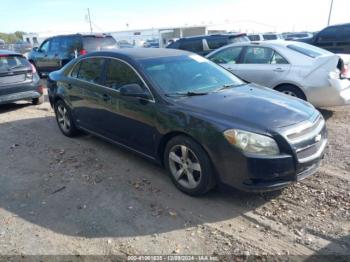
[(308, 50), (8, 63), (239, 39), (254, 38), (270, 37), (95, 43)]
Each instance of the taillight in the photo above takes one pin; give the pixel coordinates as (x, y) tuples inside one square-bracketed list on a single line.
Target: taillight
[(40, 89), (344, 72), (83, 52), (33, 68)]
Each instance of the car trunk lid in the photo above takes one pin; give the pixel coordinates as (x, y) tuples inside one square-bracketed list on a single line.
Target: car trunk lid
[(15, 73)]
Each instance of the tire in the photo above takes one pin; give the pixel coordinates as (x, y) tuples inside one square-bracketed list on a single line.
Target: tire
[(194, 174), (65, 120), (38, 101), (291, 91)]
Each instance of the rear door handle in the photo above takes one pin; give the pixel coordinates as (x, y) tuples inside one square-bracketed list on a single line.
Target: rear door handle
[(106, 97), (280, 70)]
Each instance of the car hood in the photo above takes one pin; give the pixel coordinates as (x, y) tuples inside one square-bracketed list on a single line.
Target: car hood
[(251, 104)]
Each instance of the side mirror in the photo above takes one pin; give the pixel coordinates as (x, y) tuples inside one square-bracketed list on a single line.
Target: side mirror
[(35, 49), (134, 90)]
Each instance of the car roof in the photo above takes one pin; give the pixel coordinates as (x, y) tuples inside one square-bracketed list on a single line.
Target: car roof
[(83, 35), (140, 53), (7, 52), (215, 35), (278, 42), (338, 25)]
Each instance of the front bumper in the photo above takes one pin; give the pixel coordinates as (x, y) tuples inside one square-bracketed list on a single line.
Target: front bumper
[(303, 148), (255, 174)]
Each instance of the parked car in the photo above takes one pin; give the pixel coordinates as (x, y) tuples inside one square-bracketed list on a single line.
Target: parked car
[(151, 43), (203, 45), (57, 51), (265, 37), (297, 36), (334, 38), (192, 116), (125, 44), (2, 44), (18, 79), (22, 47), (294, 68)]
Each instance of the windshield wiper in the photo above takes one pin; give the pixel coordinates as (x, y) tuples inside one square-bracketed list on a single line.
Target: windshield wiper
[(189, 94), (228, 86), (15, 67)]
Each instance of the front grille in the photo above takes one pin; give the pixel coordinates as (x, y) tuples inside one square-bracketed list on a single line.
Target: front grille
[(12, 79), (309, 151), (303, 132), (311, 147), (308, 139)]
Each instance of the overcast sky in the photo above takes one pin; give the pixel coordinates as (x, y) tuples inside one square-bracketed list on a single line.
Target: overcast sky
[(114, 15)]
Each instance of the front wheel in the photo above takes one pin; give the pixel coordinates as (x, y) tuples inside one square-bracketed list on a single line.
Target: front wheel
[(189, 166), (64, 119)]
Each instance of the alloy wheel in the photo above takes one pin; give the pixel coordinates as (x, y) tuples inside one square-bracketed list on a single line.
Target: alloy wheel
[(185, 167), (63, 118)]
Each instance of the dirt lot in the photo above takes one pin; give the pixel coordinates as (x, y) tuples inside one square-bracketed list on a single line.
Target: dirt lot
[(85, 196)]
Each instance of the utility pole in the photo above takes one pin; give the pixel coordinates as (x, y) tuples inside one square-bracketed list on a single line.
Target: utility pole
[(89, 18), (330, 13)]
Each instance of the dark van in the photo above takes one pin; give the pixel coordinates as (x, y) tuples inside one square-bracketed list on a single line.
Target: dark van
[(335, 38), (205, 44), (57, 51)]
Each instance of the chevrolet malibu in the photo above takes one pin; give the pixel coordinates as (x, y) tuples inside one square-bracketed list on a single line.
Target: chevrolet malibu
[(192, 116)]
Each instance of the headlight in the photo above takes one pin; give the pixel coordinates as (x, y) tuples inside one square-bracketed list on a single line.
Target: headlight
[(251, 142)]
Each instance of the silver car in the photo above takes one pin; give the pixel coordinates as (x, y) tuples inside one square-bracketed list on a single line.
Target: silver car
[(294, 68)]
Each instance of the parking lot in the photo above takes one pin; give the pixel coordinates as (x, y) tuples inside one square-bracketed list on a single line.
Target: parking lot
[(85, 196)]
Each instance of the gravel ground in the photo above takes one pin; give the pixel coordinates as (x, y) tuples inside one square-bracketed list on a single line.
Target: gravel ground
[(84, 196)]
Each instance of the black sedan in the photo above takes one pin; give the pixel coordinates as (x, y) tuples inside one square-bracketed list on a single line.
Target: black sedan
[(198, 120), (18, 79)]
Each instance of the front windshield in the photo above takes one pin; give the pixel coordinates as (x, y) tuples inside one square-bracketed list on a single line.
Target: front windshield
[(184, 74)]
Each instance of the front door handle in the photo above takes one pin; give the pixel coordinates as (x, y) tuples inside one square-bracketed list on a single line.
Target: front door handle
[(106, 97), (279, 70), (70, 86)]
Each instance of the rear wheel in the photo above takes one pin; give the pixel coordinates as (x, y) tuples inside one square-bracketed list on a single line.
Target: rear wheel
[(189, 166), (65, 120), (292, 91)]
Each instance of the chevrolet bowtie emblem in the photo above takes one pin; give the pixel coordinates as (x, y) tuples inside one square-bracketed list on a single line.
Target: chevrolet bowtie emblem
[(318, 138)]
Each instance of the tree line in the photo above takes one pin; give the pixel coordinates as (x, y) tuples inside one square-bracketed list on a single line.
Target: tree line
[(12, 37)]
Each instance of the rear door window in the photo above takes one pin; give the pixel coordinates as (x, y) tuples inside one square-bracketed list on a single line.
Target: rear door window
[(56, 45), (96, 43), (91, 70), (217, 42), (258, 55), (119, 74), (228, 55), (193, 45)]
